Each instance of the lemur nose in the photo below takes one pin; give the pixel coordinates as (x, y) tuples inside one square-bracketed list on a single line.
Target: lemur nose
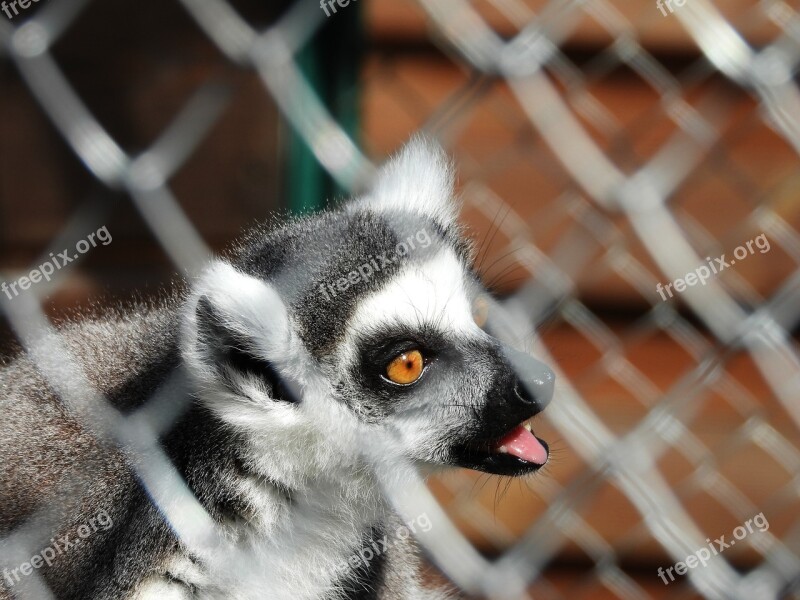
[(535, 380)]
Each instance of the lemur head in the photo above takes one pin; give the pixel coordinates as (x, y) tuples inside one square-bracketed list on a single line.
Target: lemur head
[(360, 322)]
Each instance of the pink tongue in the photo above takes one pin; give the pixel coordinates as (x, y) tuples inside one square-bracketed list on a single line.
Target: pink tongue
[(523, 444)]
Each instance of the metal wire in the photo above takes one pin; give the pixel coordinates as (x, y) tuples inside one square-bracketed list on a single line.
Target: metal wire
[(554, 105)]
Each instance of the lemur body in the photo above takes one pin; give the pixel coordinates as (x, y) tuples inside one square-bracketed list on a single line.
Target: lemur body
[(288, 387)]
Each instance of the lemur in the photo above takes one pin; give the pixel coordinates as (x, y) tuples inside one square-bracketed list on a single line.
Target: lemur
[(300, 346)]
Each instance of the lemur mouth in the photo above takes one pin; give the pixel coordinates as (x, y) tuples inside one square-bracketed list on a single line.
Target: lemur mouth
[(520, 443), (518, 452)]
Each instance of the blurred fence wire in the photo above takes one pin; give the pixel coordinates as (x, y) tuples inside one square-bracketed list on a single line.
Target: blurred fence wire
[(551, 94)]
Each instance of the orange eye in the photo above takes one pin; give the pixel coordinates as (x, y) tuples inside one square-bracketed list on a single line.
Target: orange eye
[(406, 368), (480, 311)]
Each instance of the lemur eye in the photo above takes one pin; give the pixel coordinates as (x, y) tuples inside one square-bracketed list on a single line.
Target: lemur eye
[(480, 311), (405, 368)]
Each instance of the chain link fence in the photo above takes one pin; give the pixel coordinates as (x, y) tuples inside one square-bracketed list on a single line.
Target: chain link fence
[(599, 203)]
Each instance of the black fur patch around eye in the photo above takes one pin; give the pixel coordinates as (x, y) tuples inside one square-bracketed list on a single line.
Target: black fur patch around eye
[(231, 349)]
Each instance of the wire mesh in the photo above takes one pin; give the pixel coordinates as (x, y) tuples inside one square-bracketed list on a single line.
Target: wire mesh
[(620, 215)]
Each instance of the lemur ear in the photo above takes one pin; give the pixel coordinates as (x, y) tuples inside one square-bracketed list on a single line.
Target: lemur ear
[(237, 332), (419, 178)]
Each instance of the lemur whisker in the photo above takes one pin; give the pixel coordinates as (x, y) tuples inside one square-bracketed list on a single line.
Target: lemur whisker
[(504, 256), (494, 233)]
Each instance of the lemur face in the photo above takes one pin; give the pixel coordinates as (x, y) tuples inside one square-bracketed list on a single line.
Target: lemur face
[(419, 363), (365, 321)]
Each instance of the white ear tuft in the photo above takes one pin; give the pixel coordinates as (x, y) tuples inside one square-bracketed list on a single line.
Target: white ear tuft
[(420, 178), (246, 305), (236, 331)]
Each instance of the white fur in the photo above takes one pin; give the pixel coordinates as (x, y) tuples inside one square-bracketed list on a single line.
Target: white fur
[(314, 447), (307, 493), (310, 447), (435, 292), (314, 440), (158, 587), (418, 179)]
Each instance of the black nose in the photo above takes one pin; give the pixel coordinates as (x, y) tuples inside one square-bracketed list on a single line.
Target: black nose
[(535, 380)]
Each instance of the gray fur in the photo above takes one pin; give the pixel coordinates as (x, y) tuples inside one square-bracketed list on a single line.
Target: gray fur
[(284, 392)]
